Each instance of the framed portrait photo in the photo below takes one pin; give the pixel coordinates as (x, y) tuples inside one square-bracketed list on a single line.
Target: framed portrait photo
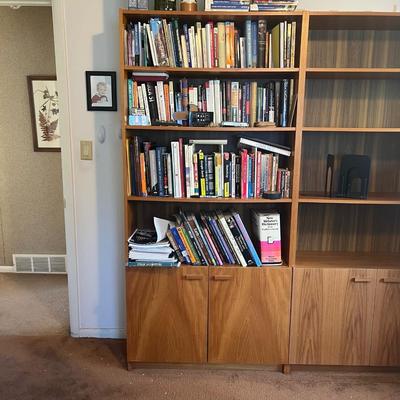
[(101, 91), (45, 112)]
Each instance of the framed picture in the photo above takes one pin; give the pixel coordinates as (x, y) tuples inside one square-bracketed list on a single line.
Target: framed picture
[(43, 99), (101, 91)]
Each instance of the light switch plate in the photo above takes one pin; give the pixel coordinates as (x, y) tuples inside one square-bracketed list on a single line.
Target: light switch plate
[(86, 150)]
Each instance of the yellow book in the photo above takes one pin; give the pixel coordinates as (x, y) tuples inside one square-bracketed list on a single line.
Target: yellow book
[(253, 103), (221, 45), (228, 52), (184, 52), (293, 46), (275, 47), (202, 174)]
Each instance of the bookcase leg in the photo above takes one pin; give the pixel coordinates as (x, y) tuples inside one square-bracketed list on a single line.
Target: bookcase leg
[(286, 369), (129, 366)]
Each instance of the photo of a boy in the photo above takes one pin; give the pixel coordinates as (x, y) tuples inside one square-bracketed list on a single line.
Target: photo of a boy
[(100, 97)]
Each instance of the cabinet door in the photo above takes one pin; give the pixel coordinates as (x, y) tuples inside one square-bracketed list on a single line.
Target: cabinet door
[(385, 349), (167, 314), (249, 315), (332, 312)]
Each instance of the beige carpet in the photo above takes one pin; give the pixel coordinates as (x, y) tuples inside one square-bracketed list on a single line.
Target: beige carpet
[(61, 368), (33, 304)]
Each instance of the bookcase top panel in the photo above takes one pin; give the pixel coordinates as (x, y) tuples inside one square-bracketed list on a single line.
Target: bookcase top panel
[(144, 15), (355, 20)]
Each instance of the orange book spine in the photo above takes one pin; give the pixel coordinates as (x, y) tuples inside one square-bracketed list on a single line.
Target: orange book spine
[(228, 54), (166, 100), (185, 242)]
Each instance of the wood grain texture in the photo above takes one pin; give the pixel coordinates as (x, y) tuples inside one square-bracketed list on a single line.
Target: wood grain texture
[(352, 103), (332, 315), (249, 315), (373, 198), (216, 200), (167, 314), (352, 228), (208, 129), (383, 150), (354, 48), (329, 259), (385, 348), (353, 73)]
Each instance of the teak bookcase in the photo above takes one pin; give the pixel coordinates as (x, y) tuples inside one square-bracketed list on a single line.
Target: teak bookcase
[(336, 301)]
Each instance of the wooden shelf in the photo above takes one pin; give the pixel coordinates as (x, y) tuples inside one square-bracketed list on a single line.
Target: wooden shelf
[(266, 73), (353, 73), (208, 129), (323, 129), (204, 200), (373, 198), (326, 259), (143, 15), (223, 267), (354, 20)]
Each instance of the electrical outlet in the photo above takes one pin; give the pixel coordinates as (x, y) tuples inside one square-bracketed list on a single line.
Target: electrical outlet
[(86, 150)]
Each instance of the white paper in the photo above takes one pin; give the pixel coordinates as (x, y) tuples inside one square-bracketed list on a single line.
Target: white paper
[(161, 226)]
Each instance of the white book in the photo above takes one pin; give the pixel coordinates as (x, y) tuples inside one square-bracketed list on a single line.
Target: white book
[(176, 176), (231, 239), (211, 100), (171, 99), (140, 98), (208, 45), (140, 30), (157, 91), (293, 45), (187, 169), (193, 49), (153, 172), (184, 52), (218, 102), (217, 142), (150, 40), (163, 114), (204, 42), (191, 170), (169, 175), (263, 145), (199, 45), (281, 44)]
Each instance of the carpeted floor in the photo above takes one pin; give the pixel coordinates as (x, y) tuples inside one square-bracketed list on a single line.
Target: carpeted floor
[(60, 368), (33, 304)]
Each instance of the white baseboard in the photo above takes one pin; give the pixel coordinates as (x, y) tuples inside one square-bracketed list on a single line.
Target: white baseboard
[(106, 333), (7, 269)]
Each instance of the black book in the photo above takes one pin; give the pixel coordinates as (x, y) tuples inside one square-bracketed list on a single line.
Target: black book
[(151, 98), (262, 34), (284, 103), (238, 172), (210, 172)]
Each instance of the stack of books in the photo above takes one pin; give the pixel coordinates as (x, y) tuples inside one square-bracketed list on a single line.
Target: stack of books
[(253, 44), (227, 5), (212, 239), (145, 251), (186, 170), (273, 5), (230, 101)]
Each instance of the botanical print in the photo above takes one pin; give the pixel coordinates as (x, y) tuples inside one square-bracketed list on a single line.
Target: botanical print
[(46, 114)]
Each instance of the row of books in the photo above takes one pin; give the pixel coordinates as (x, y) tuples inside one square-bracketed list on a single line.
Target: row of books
[(212, 45), (212, 239), (252, 5), (246, 103), (183, 171)]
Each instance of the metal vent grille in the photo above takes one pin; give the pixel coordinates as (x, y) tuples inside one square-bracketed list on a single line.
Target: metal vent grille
[(40, 263)]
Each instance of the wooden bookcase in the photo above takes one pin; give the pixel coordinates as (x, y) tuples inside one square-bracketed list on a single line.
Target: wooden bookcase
[(336, 299)]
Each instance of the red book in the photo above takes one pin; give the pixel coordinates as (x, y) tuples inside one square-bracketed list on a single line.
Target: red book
[(243, 173), (182, 167)]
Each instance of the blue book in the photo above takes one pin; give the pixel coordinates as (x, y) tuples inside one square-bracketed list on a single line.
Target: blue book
[(254, 44), (247, 239), (160, 169), (180, 244), (250, 167), (145, 264), (248, 44), (228, 6), (221, 239)]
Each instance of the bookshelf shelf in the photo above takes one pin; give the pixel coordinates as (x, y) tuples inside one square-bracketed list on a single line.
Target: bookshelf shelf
[(209, 129), (353, 73), (266, 73), (373, 199), (330, 259), (323, 129), (205, 200)]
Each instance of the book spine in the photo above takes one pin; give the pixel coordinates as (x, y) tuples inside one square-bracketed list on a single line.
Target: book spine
[(175, 246), (193, 239), (249, 51), (202, 174), (180, 244), (206, 250), (226, 248), (194, 258), (160, 170)]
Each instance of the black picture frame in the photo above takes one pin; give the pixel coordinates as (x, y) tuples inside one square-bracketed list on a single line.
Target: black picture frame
[(106, 100)]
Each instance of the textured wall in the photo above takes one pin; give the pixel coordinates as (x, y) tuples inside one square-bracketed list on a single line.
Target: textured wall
[(31, 202)]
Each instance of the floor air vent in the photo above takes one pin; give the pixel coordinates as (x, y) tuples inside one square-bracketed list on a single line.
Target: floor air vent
[(39, 263)]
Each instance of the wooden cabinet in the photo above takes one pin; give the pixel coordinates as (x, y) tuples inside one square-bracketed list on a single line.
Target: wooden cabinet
[(249, 315), (167, 314), (332, 316), (385, 347)]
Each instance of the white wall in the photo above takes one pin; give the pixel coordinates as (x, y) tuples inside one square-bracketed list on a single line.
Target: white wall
[(349, 5), (95, 204)]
